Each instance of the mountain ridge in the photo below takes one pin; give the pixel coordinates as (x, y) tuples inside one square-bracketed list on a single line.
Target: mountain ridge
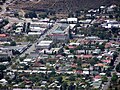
[(63, 5)]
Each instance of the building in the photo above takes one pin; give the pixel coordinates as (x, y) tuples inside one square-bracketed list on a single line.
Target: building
[(44, 45), (72, 20), (60, 34)]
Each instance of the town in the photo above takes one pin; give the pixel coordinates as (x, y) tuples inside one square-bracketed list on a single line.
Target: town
[(79, 51)]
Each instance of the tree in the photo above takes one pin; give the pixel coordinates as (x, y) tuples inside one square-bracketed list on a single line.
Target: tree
[(2, 67), (16, 14), (114, 30), (75, 57), (64, 86), (3, 1), (116, 88), (71, 87), (6, 44), (114, 78), (53, 73), (92, 61), (43, 15), (71, 51), (102, 47), (72, 78), (70, 15), (104, 79), (70, 34), (118, 68), (24, 27), (59, 78), (1, 74), (22, 85), (115, 55), (66, 47), (13, 43), (111, 16), (27, 27), (31, 15)]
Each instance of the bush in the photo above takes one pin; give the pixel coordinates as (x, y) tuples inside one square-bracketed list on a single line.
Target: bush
[(2, 67), (13, 43)]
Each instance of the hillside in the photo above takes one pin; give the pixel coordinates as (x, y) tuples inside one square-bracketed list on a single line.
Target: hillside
[(62, 5)]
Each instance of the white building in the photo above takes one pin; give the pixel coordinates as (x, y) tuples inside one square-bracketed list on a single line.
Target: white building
[(44, 45), (72, 20)]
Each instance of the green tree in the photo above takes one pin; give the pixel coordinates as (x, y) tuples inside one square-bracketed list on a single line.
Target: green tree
[(102, 47), (59, 78), (104, 79), (6, 44), (31, 15), (114, 78), (71, 51), (13, 43), (43, 15), (118, 68), (64, 86), (72, 78), (2, 67)]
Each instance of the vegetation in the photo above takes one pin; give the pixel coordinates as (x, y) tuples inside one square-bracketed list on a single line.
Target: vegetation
[(31, 15), (60, 5), (118, 68)]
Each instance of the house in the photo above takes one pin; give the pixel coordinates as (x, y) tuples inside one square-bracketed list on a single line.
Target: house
[(40, 24), (33, 55), (46, 51), (27, 60), (84, 56), (111, 23), (92, 38), (97, 84), (72, 20), (96, 52), (3, 35), (34, 33), (4, 38), (85, 72), (56, 50), (19, 28), (62, 21), (4, 54), (3, 82), (86, 21)]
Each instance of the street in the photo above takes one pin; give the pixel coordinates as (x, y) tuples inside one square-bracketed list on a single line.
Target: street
[(117, 61)]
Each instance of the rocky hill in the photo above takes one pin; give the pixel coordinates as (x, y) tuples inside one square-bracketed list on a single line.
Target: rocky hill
[(61, 5)]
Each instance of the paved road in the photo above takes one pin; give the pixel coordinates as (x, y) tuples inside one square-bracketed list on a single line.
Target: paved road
[(105, 87), (117, 61), (32, 48)]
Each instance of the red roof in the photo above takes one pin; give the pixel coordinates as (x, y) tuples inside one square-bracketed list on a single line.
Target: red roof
[(97, 77), (84, 56), (3, 35), (106, 61), (71, 47), (108, 45), (79, 71), (74, 65)]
